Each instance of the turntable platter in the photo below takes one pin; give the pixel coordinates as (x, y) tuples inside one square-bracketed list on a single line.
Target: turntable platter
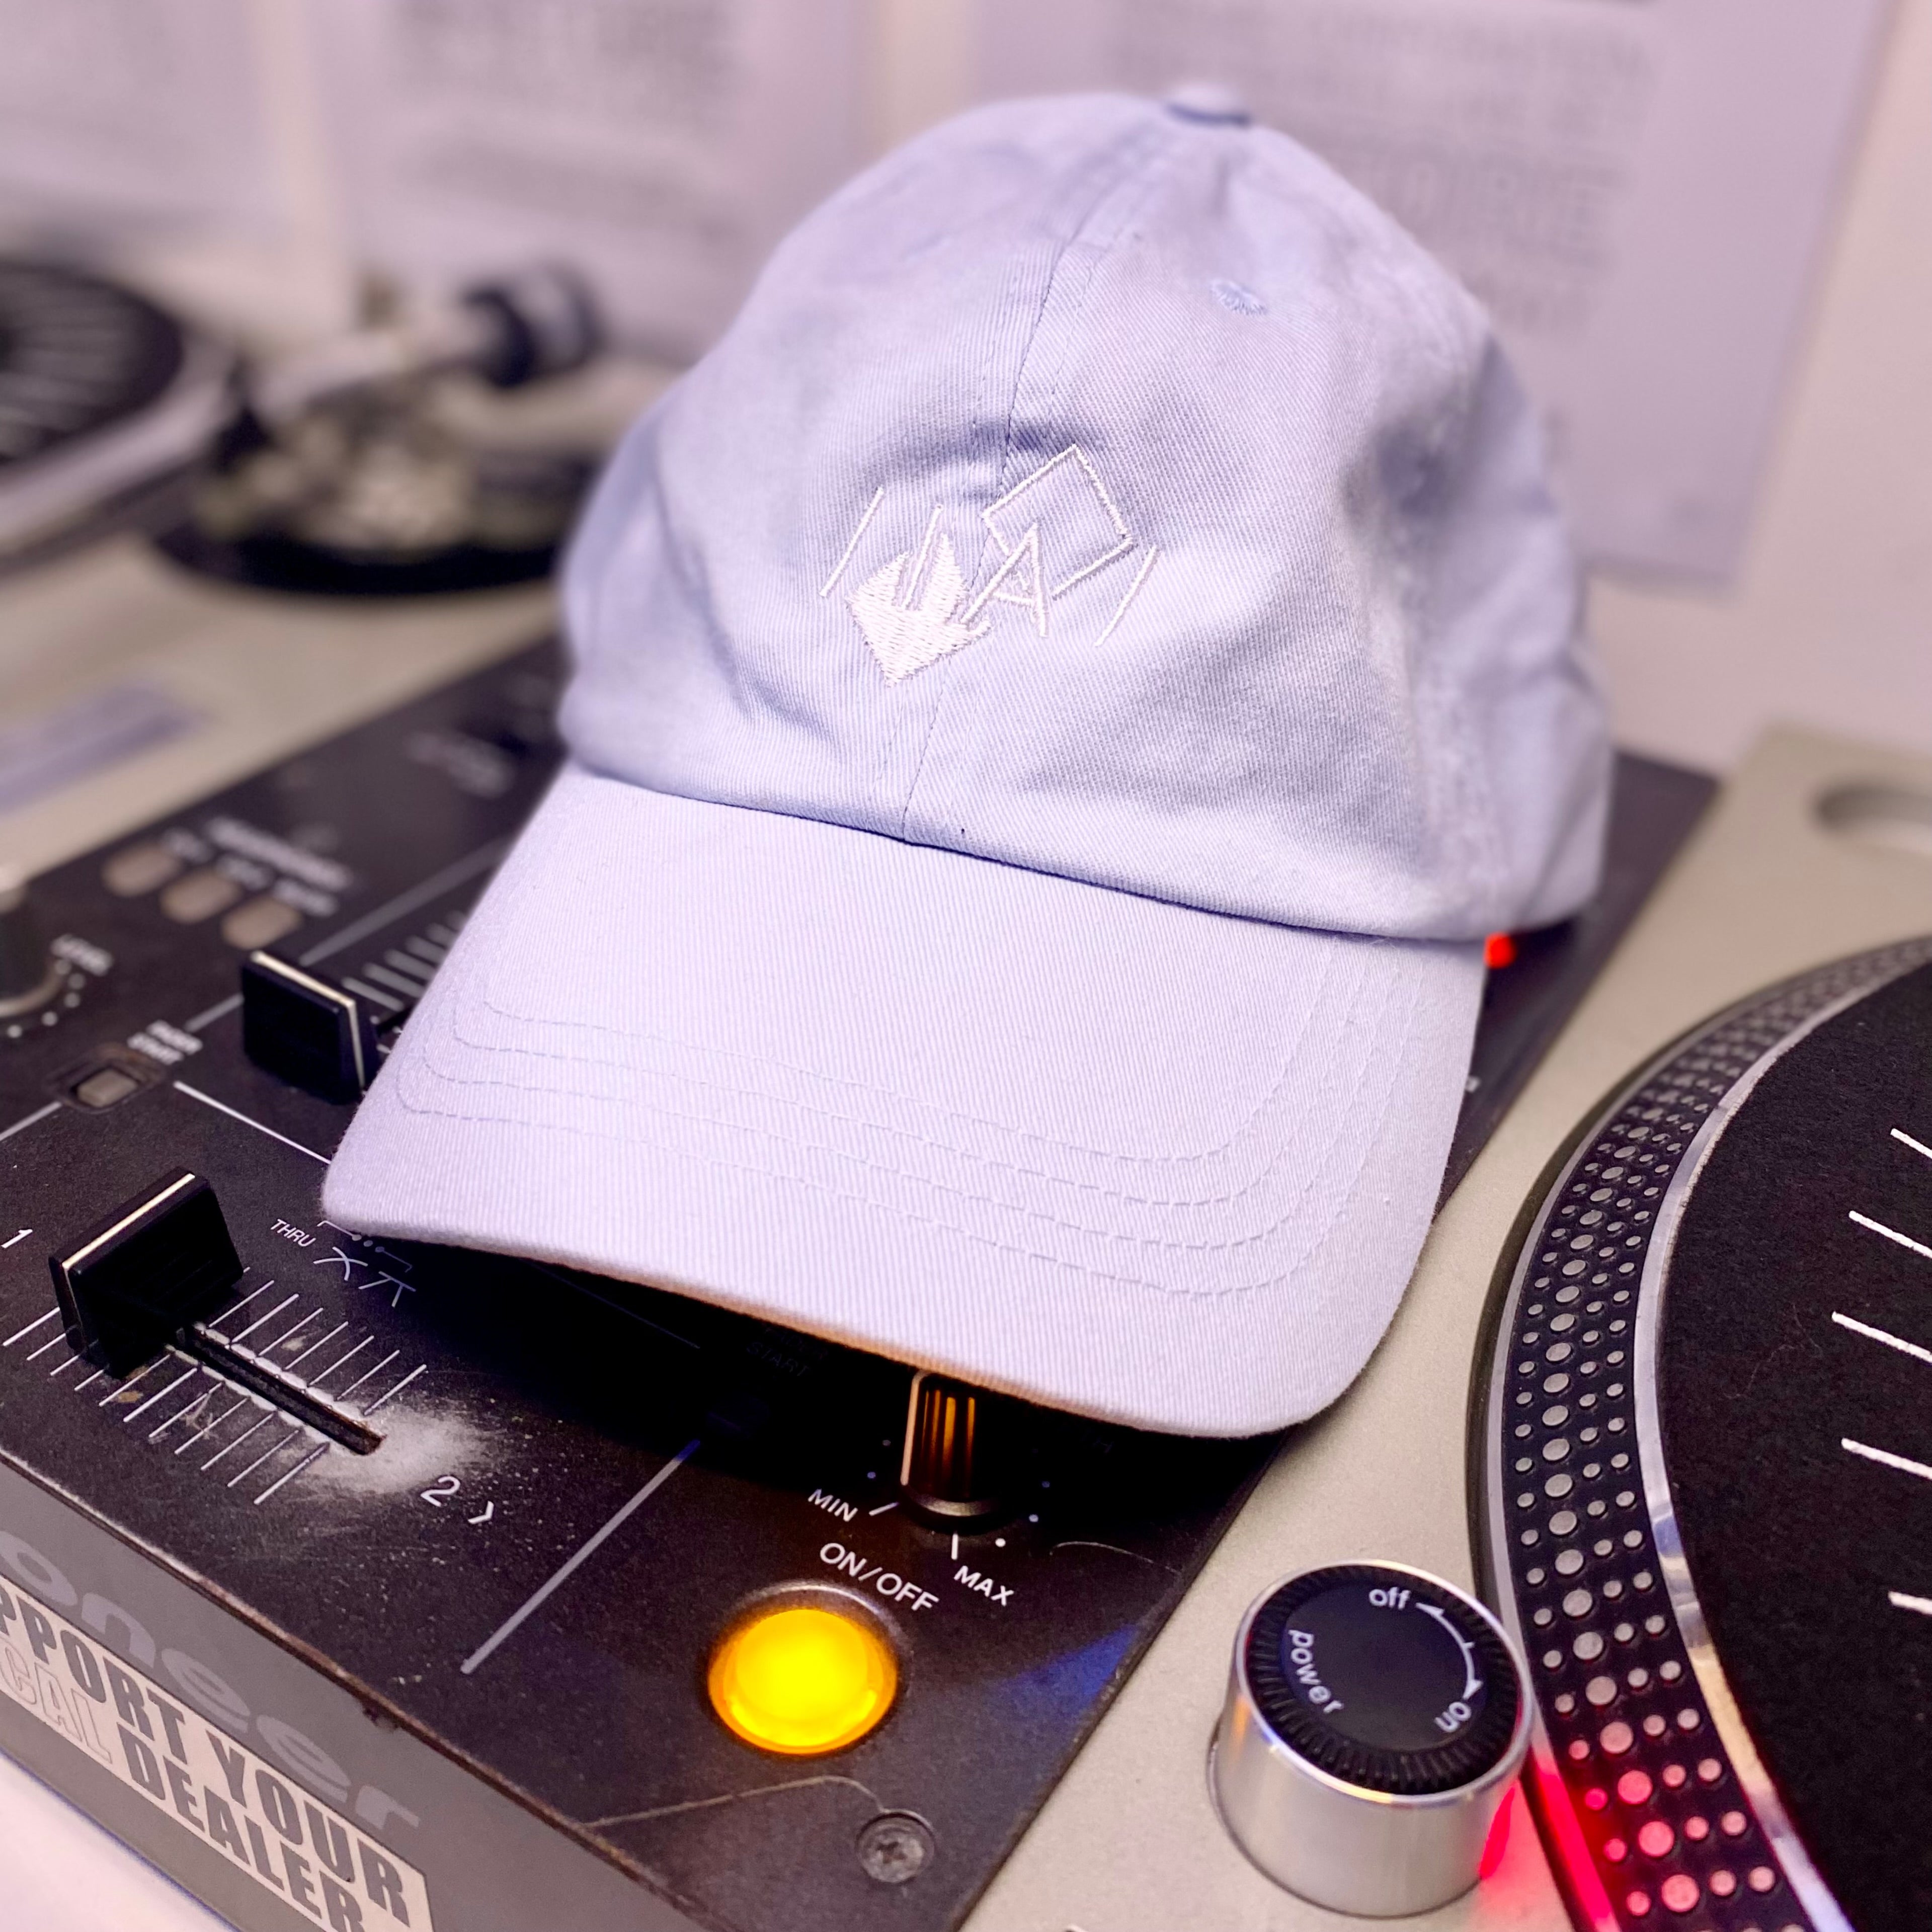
[(76, 353), (102, 396), (1705, 1461)]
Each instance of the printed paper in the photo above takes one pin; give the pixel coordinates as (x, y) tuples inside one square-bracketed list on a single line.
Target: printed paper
[(661, 145), (1640, 189)]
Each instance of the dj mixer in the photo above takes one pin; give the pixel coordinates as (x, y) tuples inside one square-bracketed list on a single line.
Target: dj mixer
[(359, 1583), (466, 1530)]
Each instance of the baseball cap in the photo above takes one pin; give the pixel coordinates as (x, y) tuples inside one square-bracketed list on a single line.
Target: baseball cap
[(1062, 690)]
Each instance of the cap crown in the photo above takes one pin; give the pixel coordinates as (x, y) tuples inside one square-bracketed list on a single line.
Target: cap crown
[(1121, 495)]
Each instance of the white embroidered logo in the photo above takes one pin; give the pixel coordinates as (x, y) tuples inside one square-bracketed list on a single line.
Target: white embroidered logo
[(1052, 530), (906, 638)]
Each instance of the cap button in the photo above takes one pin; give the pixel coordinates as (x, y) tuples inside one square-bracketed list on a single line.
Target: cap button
[(1208, 102)]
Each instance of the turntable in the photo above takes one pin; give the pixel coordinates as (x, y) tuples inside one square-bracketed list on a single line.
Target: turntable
[(107, 402), (403, 1611), (208, 559), (1705, 1494)]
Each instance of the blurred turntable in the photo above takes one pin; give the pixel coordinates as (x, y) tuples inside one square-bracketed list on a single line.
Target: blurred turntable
[(210, 553), (366, 465)]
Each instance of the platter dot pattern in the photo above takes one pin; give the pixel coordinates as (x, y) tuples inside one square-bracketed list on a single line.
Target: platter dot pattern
[(1621, 1722)]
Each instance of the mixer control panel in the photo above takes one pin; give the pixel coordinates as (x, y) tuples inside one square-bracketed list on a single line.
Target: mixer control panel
[(499, 1592), (761, 1631)]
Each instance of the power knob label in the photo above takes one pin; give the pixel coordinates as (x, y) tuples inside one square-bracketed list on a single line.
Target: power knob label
[(1386, 1680)]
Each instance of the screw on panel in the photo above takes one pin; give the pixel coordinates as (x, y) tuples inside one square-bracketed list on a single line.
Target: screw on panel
[(895, 1847)]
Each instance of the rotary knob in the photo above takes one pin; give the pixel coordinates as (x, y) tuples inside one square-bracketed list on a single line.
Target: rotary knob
[(29, 976), (953, 1467), (1375, 1717)]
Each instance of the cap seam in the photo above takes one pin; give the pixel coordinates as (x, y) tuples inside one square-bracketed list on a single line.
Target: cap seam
[(1146, 1244), (1136, 154), (512, 1017), (1296, 1194), (992, 1163), (1282, 1151)]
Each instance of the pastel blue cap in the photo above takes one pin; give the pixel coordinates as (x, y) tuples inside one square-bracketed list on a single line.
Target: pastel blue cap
[(1063, 690)]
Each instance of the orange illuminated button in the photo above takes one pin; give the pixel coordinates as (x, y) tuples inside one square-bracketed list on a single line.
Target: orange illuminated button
[(802, 1680)]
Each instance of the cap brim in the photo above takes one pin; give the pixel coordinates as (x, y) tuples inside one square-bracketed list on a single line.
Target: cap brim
[(1159, 1166)]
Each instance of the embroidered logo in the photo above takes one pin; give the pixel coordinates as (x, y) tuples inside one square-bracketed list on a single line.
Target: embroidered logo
[(1051, 531), (907, 637)]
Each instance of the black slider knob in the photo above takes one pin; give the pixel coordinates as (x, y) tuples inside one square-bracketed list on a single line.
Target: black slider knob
[(29, 977), (306, 1030), (162, 1260), (957, 1446)]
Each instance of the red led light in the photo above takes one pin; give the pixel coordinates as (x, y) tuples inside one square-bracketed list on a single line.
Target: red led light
[(1637, 1904), (1560, 1818), (1734, 1824), (1497, 1843), (1616, 1850), (1634, 1787), (1655, 1839), (1761, 1878), (1674, 1775), (1722, 1884), (1499, 950), (1616, 1738), (1696, 1829), (1709, 1770)]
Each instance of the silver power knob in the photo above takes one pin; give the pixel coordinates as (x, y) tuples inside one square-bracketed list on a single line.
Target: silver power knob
[(1375, 1718)]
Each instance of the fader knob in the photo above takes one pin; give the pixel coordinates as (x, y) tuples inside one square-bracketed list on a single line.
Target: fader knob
[(29, 976), (953, 1466), (163, 1259), (1375, 1716), (305, 1029)]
